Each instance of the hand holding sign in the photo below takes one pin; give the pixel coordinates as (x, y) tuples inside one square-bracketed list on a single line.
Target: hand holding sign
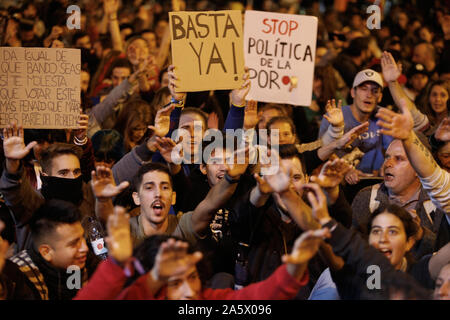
[(237, 96)]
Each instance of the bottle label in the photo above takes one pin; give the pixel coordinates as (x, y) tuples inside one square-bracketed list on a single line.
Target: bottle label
[(99, 246)]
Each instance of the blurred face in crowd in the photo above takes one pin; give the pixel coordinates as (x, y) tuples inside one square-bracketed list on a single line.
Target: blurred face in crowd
[(30, 11), (155, 196), (125, 33), (84, 42), (186, 286), (161, 28), (398, 172), (402, 20), (388, 235), (438, 99), (298, 178), (85, 78), (366, 96), (137, 51), (320, 52), (165, 80), (419, 81), (442, 285), (66, 246), (425, 34), (150, 37), (119, 74), (216, 168), (285, 132), (65, 166), (137, 131), (443, 155), (265, 117), (195, 128), (420, 54)]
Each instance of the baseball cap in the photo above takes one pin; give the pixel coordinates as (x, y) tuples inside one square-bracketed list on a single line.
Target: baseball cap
[(368, 75), (417, 68)]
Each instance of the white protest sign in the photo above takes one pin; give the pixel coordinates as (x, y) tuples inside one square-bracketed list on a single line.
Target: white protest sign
[(279, 51), (40, 87)]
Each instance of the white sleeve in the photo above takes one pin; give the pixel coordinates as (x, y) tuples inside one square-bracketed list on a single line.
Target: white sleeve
[(438, 188)]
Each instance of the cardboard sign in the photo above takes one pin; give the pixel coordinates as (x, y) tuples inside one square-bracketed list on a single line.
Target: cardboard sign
[(280, 51), (207, 49), (40, 87)]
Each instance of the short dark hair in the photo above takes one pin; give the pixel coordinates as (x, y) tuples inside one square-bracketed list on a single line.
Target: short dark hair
[(121, 63), (357, 46), (411, 228), (78, 35), (202, 114), (149, 167), (281, 119), (49, 216), (288, 151), (55, 150)]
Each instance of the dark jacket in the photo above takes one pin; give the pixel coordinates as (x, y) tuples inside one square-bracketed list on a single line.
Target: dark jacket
[(351, 280), (370, 198), (23, 201)]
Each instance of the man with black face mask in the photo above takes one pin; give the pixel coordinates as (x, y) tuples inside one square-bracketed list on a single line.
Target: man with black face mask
[(61, 179)]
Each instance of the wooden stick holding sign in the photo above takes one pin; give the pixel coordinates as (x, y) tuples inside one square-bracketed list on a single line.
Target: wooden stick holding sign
[(207, 49), (40, 87)]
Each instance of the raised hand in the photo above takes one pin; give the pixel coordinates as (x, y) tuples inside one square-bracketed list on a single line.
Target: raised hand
[(179, 96), (389, 68), (118, 240), (13, 143), (443, 131), (166, 148), (352, 176), (251, 115), (347, 139), (238, 167), (237, 96), (332, 173), (162, 121), (81, 132), (318, 202), (278, 182), (398, 126), (213, 121), (173, 259), (110, 6), (103, 184), (306, 246), (334, 114)]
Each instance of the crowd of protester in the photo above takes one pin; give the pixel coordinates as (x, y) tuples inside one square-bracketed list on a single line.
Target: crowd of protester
[(362, 176)]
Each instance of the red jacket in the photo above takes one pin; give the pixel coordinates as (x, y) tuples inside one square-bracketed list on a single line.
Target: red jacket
[(108, 280)]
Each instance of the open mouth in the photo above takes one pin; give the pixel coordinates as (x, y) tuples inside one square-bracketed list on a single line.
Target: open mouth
[(388, 176), (220, 176), (387, 253), (157, 207)]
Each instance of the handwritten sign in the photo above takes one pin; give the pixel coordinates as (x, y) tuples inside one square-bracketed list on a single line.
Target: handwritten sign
[(279, 51), (207, 49), (40, 87)]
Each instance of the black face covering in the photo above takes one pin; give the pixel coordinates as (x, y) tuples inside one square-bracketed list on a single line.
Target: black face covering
[(62, 189)]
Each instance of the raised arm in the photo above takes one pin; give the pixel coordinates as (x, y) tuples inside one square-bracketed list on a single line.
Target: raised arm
[(104, 189), (110, 8), (391, 72), (434, 179), (219, 194)]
